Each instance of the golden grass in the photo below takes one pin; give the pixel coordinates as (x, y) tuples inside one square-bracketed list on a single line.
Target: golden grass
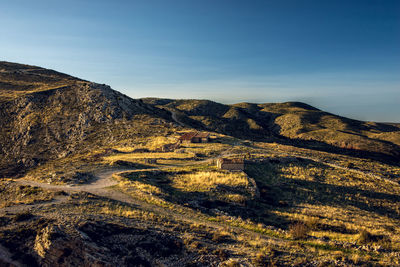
[(128, 212), (152, 143), (351, 221), (35, 87), (145, 192), (136, 156), (351, 211), (207, 180), (237, 198), (14, 194), (159, 141), (114, 209)]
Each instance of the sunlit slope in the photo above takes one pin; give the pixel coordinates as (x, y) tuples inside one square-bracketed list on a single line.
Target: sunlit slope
[(298, 120), (18, 79), (47, 115), (290, 120)]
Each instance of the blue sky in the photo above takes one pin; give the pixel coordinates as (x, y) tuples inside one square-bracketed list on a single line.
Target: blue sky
[(341, 56)]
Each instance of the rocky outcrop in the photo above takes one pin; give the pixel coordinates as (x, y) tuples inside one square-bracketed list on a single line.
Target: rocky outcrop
[(53, 123), (54, 247), (95, 243)]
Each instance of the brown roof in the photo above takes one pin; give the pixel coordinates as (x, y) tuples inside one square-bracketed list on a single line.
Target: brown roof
[(202, 135), (188, 136), (224, 160)]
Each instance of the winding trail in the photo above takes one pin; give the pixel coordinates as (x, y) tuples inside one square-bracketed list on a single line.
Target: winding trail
[(175, 118), (337, 166), (372, 175), (104, 180), (101, 187)]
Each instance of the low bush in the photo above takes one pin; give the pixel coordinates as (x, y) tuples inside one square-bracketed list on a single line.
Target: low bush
[(299, 230), (365, 237), (261, 259)]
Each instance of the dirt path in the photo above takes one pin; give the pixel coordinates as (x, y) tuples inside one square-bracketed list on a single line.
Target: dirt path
[(97, 187), (101, 187), (175, 118), (103, 179), (372, 175), (336, 166)]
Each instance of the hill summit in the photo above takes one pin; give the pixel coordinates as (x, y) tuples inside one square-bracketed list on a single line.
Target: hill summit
[(46, 114)]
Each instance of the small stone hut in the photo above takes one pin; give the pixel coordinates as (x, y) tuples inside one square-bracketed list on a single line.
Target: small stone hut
[(195, 137), (230, 164)]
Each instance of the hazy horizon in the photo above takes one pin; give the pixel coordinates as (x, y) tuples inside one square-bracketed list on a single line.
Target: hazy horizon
[(340, 56)]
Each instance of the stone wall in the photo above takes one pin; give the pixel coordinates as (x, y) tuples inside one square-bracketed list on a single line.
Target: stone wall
[(232, 166)]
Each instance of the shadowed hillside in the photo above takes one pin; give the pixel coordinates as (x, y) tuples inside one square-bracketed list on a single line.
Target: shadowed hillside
[(292, 123)]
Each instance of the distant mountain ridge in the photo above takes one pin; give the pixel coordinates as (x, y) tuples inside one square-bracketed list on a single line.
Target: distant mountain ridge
[(293, 121), (46, 115)]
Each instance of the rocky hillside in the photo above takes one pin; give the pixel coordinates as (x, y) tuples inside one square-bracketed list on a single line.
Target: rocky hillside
[(291, 123), (205, 114), (46, 114)]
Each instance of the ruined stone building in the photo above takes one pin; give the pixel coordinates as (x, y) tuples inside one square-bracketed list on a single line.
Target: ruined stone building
[(230, 164), (195, 137)]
